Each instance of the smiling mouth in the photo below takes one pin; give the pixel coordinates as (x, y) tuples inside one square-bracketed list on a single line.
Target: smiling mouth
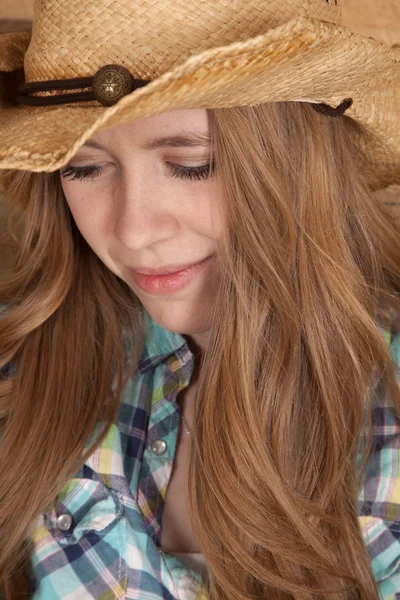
[(169, 282)]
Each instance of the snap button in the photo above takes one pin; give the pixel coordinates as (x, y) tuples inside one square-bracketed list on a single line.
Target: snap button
[(64, 522), (111, 83), (159, 447)]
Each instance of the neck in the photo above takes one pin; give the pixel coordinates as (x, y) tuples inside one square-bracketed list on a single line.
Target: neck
[(198, 356)]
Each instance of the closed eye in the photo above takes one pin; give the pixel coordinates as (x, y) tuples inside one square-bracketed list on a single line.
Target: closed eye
[(180, 171)]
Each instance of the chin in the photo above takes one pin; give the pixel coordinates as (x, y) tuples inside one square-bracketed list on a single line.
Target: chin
[(185, 320)]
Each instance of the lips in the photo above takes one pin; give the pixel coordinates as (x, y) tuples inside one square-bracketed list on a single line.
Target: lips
[(168, 283), (169, 269)]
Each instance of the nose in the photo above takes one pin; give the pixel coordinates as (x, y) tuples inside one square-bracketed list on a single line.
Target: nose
[(143, 213)]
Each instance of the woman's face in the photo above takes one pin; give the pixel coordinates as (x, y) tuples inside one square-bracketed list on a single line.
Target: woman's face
[(138, 213)]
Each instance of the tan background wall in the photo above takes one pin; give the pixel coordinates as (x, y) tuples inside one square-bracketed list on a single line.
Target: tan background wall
[(379, 19), (16, 9)]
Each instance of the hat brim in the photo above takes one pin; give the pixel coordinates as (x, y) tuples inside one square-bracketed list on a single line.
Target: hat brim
[(303, 60)]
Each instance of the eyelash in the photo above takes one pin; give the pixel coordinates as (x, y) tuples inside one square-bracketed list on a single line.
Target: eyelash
[(93, 171)]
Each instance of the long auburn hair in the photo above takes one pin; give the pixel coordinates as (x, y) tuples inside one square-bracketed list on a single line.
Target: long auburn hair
[(284, 391)]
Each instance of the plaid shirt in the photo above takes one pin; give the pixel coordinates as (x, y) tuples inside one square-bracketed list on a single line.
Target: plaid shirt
[(102, 541)]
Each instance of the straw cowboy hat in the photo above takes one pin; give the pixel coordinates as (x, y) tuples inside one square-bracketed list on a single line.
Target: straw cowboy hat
[(89, 65)]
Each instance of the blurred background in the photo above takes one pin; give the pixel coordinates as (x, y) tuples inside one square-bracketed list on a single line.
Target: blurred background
[(379, 19)]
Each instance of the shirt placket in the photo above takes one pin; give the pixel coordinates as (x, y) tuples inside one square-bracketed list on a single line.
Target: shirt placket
[(158, 457)]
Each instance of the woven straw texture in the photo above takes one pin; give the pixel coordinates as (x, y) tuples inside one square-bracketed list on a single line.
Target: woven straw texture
[(157, 35), (198, 55)]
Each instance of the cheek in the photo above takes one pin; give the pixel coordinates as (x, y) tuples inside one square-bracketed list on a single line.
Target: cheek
[(91, 218), (213, 217)]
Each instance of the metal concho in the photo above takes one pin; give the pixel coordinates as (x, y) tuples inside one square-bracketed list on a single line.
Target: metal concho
[(111, 83)]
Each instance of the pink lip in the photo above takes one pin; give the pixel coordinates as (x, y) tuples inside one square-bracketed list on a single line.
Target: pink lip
[(166, 270), (159, 285)]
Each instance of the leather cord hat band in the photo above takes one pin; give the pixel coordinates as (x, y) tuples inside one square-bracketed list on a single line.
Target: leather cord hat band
[(108, 85)]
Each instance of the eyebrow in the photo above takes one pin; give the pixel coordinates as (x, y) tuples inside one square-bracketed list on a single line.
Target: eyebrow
[(183, 140)]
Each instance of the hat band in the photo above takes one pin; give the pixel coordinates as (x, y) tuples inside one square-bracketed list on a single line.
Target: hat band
[(108, 85)]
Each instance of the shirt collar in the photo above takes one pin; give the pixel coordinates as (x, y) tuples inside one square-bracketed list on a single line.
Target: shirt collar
[(159, 343)]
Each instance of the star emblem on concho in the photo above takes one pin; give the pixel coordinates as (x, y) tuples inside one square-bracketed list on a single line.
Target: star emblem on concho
[(111, 86), (111, 83)]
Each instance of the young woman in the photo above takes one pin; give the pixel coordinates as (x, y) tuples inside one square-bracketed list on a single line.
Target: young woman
[(227, 430)]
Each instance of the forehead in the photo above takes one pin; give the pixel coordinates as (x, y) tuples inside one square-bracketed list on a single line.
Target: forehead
[(174, 129)]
